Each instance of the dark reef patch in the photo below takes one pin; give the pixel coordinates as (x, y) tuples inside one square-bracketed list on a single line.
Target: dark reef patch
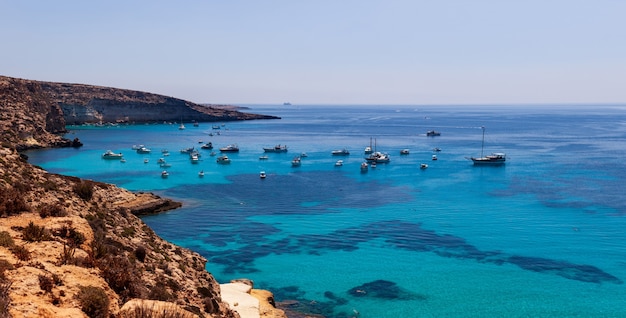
[(585, 273), (412, 237), (383, 289)]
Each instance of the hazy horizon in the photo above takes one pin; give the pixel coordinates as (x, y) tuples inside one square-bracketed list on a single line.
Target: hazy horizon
[(401, 52)]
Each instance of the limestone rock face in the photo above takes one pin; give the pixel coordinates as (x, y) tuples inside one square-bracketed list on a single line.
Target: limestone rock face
[(96, 104)]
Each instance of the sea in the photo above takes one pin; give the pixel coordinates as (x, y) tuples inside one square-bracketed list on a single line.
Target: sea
[(543, 235)]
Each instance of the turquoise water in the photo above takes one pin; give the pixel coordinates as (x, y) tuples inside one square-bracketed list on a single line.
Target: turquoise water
[(541, 236)]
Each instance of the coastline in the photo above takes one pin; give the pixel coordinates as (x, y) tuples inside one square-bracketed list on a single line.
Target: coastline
[(62, 235)]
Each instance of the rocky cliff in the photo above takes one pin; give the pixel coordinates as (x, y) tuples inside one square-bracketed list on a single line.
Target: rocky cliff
[(34, 112), (74, 248)]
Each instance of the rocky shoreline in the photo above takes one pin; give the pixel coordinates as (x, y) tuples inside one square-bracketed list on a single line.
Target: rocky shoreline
[(75, 248)]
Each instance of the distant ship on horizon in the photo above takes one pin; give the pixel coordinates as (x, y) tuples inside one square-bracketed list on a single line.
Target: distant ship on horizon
[(286, 104)]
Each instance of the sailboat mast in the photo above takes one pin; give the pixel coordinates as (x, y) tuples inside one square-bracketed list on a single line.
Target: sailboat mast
[(482, 147)]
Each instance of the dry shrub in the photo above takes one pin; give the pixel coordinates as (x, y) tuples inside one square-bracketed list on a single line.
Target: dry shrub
[(35, 233), (121, 276), (84, 189), (71, 235), (21, 252), (93, 301), (12, 202), (6, 240), (46, 283), (54, 210), (4, 266), (140, 253), (5, 300)]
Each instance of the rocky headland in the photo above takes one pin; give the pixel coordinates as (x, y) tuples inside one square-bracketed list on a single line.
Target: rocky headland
[(35, 112), (75, 248)]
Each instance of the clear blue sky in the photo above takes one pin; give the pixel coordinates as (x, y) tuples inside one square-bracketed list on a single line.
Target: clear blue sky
[(326, 51)]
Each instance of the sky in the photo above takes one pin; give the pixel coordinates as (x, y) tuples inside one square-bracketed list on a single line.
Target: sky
[(412, 52)]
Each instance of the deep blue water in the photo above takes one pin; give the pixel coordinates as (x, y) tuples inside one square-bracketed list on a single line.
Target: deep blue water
[(540, 236)]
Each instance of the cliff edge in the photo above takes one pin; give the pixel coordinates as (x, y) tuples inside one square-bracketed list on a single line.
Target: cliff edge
[(75, 248)]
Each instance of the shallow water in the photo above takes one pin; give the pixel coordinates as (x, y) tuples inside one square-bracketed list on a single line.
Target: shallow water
[(541, 236)]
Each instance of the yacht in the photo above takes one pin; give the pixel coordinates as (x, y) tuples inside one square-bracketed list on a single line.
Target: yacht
[(111, 155), (230, 148), (342, 152), (378, 157), (223, 160), (277, 148)]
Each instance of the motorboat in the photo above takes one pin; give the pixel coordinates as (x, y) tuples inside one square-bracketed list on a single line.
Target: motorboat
[(432, 133), (339, 163), (146, 160), (223, 160), (123, 160), (194, 159), (111, 155), (187, 150), (296, 162), (208, 145), (165, 165), (165, 174), (143, 150), (303, 155), (263, 157), (423, 166), (436, 149), (201, 173), (136, 147), (230, 148), (494, 159), (277, 148), (181, 126), (404, 151), (364, 166), (373, 164), (342, 152), (262, 175), (368, 150), (161, 160), (434, 157)]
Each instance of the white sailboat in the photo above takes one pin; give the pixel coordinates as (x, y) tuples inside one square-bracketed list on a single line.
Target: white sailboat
[(496, 158)]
